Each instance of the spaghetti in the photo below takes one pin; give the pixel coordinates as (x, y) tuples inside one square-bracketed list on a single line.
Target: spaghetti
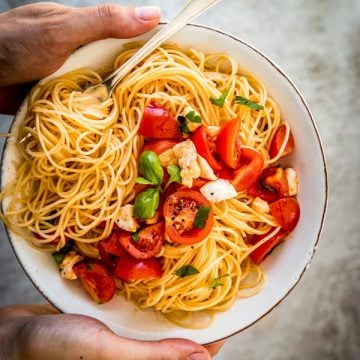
[(80, 161)]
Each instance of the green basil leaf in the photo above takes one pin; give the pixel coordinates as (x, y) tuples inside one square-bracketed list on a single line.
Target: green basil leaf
[(186, 270), (135, 236), (201, 217), (89, 265), (150, 167), (243, 101), (146, 203), (58, 257), (174, 172), (221, 100), (193, 117), (183, 126), (60, 254), (216, 282), (141, 180)]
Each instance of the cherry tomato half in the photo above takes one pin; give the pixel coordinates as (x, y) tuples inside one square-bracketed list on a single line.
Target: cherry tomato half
[(149, 241), (251, 165), (205, 146), (96, 279), (286, 211), (278, 141), (180, 211), (272, 185), (158, 123), (159, 146), (228, 144), (129, 268), (259, 254)]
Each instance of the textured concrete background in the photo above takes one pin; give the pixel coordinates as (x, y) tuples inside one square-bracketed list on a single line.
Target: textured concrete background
[(317, 43)]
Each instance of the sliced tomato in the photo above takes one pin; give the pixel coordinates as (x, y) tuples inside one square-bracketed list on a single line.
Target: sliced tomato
[(96, 279), (286, 211), (272, 184), (111, 244), (197, 184), (259, 254), (251, 165), (149, 241), (180, 211), (129, 268), (158, 123), (225, 173), (228, 144), (278, 141), (159, 146), (205, 146)]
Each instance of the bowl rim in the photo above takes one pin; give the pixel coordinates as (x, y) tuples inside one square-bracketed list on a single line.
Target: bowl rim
[(324, 171)]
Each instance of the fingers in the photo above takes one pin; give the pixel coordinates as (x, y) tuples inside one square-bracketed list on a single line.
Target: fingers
[(111, 21), (215, 347), (168, 349)]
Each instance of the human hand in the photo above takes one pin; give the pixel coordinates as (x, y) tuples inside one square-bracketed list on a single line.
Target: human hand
[(36, 39), (39, 332)]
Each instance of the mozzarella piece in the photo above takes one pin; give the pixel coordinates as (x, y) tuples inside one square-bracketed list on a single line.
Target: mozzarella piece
[(206, 170), (187, 161), (260, 205), (218, 190), (292, 181), (126, 220), (167, 158), (66, 266), (213, 130)]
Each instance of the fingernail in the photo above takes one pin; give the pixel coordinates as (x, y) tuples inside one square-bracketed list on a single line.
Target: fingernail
[(198, 356), (147, 12)]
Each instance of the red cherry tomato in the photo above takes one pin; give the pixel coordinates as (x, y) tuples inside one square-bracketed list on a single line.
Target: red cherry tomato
[(272, 185), (205, 146), (225, 173), (158, 123), (251, 165), (259, 254), (278, 141), (96, 279), (180, 210), (149, 242), (129, 268), (228, 144), (111, 244), (197, 184), (286, 211), (159, 146)]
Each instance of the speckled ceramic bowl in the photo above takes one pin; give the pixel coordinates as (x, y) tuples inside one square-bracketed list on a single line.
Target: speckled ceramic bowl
[(283, 268)]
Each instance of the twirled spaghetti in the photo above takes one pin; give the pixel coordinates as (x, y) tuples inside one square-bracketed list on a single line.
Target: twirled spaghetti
[(80, 161)]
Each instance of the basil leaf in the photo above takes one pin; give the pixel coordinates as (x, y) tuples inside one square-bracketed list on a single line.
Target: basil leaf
[(60, 254), (186, 270), (146, 203), (243, 101), (183, 126), (150, 167), (141, 180), (216, 282), (174, 172), (201, 217), (135, 236), (221, 100), (89, 265), (193, 117)]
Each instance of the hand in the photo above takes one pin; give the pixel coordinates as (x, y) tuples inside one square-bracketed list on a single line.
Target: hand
[(36, 39), (39, 332)]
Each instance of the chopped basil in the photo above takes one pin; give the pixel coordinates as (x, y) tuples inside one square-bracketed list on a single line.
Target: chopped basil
[(135, 236), (146, 203), (216, 282), (60, 254), (174, 172), (141, 180), (201, 217), (186, 270), (221, 100), (193, 117), (150, 167), (89, 265), (183, 126), (243, 101)]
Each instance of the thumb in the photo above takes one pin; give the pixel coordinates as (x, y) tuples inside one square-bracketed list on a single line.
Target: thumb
[(167, 349), (111, 21)]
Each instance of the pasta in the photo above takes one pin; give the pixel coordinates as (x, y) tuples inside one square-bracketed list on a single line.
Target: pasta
[(80, 162)]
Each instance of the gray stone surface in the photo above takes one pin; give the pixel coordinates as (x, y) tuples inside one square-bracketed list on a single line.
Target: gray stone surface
[(317, 44)]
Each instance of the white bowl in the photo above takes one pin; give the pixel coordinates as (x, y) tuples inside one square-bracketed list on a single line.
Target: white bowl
[(283, 268)]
